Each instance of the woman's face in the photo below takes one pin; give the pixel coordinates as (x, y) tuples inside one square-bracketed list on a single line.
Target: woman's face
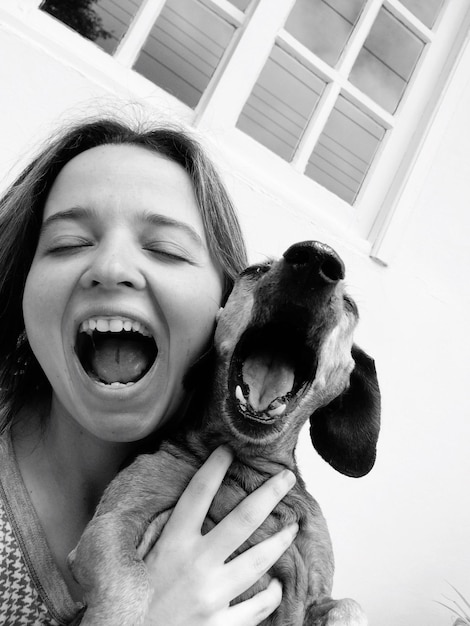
[(122, 294)]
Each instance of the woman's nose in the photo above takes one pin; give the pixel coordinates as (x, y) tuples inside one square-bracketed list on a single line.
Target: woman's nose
[(114, 265)]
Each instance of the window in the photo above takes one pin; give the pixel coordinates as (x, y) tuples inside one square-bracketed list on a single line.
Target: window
[(329, 95), (366, 52), (179, 49), (184, 48), (345, 149), (386, 62), (280, 105)]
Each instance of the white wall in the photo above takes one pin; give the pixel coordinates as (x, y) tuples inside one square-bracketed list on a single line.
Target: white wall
[(401, 533)]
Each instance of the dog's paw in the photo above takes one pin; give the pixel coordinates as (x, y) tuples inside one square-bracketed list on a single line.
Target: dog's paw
[(346, 612)]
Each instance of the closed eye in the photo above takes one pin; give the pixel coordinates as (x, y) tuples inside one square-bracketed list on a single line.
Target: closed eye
[(171, 252), (68, 244)]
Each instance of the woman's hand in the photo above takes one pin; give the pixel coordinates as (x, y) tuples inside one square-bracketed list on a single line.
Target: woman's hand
[(192, 583)]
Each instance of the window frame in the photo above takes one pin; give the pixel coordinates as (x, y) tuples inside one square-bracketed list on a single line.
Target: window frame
[(367, 223)]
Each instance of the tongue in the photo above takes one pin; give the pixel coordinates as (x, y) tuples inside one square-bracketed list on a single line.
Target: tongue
[(268, 377), (123, 359)]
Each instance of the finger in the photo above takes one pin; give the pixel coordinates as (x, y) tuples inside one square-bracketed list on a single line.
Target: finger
[(231, 532), (194, 503), (246, 569), (253, 611)]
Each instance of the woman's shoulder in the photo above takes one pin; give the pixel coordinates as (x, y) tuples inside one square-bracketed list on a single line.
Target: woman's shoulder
[(32, 593), (19, 599)]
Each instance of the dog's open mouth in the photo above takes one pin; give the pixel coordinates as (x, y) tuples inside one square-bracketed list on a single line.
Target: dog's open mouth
[(270, 368), (116, 352)]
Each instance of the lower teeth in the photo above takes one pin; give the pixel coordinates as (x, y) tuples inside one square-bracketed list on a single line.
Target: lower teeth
[(277, 411), (278, 407), (115, 385)]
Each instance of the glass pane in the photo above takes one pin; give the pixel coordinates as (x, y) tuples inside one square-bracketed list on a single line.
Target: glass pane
[(240, 4), (345, 150), (425, 10), (184, 48), (102, 21), (324, 26), (281, 103), (384, 66)]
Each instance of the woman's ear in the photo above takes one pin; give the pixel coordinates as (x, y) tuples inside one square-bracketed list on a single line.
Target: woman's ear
[(345, 431)]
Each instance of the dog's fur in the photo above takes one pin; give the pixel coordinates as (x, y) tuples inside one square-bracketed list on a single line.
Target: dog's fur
[(287, 323)]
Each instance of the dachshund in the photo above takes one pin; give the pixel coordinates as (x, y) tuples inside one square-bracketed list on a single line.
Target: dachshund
[(284, 353)]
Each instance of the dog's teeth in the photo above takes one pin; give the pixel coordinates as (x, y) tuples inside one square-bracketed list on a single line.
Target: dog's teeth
[(277, 411), (239, 395)]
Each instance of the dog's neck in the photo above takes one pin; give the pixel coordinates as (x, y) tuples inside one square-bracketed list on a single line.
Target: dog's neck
[(265, 459)]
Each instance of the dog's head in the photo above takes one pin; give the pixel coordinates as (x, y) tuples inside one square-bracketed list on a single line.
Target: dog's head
[(285, 353)]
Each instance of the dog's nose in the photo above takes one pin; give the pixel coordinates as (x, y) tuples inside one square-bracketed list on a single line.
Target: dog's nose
[(317, 259)]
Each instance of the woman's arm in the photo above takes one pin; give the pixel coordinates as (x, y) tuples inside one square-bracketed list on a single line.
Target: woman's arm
[(191, 580)]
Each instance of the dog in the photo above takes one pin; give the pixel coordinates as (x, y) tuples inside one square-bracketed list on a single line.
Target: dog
[(284, 353)]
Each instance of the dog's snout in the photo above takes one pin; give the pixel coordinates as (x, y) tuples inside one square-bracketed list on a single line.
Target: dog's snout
[(316, 259)]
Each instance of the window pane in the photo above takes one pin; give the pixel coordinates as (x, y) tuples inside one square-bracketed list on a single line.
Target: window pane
[(240, 4), (184, 48), (102, 21), (324, 26), (345, 150), (384, 66), (425, 10), (281, 103)]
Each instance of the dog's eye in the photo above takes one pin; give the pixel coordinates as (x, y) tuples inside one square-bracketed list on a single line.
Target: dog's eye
[(350, 305), (256, 270)]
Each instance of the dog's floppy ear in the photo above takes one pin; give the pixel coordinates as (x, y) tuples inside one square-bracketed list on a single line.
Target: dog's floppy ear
[(345, 431)]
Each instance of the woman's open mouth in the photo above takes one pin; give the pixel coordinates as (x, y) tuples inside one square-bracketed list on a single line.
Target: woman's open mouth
[(115, 351)]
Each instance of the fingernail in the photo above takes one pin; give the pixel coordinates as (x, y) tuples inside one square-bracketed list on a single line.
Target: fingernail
[(293, 529), (225, 451), (275, 586), (275, 582), (289, 477)]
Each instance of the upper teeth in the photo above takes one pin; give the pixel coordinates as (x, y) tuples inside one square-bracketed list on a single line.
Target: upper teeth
[(113, 325)]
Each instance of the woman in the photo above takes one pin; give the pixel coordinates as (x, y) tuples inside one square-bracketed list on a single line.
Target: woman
[(117, 247)]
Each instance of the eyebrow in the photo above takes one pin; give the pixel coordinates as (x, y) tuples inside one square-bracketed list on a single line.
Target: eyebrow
[(83, 213)]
